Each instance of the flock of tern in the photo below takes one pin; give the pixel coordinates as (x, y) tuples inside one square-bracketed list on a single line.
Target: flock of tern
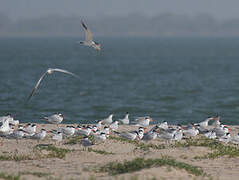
[(100, 131), (11, 128)]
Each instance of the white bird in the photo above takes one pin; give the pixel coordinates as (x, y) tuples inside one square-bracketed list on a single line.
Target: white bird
[(235, 139), (106, 130), (163, 125), (114, 126), (68, 130), (100, 136), (143, 121), (94, 129), (226, 138), (129, 135), (99, 124), (151, 135), (221, 130), (108, 120), (14, 122), (140, 134), (210, 134), (204, 123), (30, 129), (10, 120), (167, 134), (49, 71), (3, 118), (178, 135), (84, 131), (216, 122), (86, 142), (57, 137), (18, 134), (55, 118), (191, 132), (41, 135), (126, 119), (89, 39)]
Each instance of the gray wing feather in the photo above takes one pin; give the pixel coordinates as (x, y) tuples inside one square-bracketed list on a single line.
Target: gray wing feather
[(65, 71), (88, 33), (36, 86)]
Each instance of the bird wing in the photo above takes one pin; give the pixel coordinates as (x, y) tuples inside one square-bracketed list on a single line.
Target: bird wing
[(88, 33), (65, 71), (36, 86)]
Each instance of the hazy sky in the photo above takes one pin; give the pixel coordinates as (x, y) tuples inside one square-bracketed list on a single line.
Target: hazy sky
[(221, 9)]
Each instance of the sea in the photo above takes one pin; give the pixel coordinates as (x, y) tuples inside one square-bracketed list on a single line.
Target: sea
[(178, 80)]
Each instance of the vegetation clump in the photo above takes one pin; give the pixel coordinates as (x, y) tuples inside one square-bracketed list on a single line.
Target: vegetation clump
[(100, 151), (137, 164), (54, 152), (217, 147), (15, 157), (73, 140), (9, 177)]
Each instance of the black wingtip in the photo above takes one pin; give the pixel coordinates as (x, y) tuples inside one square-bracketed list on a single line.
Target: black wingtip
[(83, 24)]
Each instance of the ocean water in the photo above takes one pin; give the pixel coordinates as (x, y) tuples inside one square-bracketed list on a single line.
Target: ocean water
[(180, 80)]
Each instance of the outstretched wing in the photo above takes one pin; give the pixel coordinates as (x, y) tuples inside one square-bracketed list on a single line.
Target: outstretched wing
[(36, 86), (88, 33), (65, 71)]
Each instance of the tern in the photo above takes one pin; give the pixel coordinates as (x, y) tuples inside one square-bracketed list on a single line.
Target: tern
[(57, 137), (151, 135), (84, 131), (30, 129), (106, 130), (55, 118), (178, 135), (100, 137), (68, 130), (191, 132), (114, 126), (86, 142), (17, 134), (108, 120), (41, 135), (49, 71), (163, 125), (210, 135), (226, 138), (126, 119), (221, 130), (99, 125), (5, 128), (88, 39), (140, 134), (204, 123), (235, 139), (143, 121), (167, 134), (216, 122)]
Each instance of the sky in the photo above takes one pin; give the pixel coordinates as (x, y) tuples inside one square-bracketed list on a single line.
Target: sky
[(18, 9)]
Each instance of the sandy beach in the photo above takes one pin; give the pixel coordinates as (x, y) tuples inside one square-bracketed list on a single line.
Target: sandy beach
[(189, 159)]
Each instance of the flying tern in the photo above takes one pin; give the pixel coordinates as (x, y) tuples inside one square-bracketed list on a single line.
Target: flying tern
[(88, 39), (49, 71)]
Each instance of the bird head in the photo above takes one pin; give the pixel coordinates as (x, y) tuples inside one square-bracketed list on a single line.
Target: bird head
[(49, 71), (98, 46)]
